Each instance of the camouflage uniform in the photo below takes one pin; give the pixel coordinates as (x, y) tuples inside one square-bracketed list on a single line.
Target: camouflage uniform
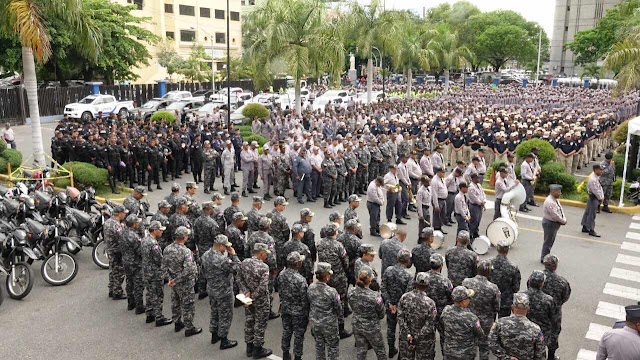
[(265, 238), (236, 237), (294, 307), (130, 244), (342, 171), (171, 199), (281, 233), (417, 317), (377, 160), (307, 265), (351, 162), (560, 290), (485, 304), (420, 255), (254, 279), (195, 210), (544, 313), (506, 275), (389, 249), (153, 279), (329, 176), (516, 336), (175, 221), (364, 158), (439, 289), (309, 239), (325, 314), (350, 214), (228, 214), (164, 220), (351, 245), (332, 252), (368, 310), (205, 229), (132, 204), (112, 230), (218, 217), (283, 171), (253, 216), (178, 264), (219, 270), (396, 281), (462, 330), (210, 156), (404, 149), (461, 264)]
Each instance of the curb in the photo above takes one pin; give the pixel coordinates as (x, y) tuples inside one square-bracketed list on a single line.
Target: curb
[(632, 210)]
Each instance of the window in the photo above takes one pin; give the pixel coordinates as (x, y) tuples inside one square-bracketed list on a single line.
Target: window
[(219, 14), (187, 10), (168, 8), (205, 12), (220, 38), (170, 35), (138, 3), (234, 16), (187, 35)]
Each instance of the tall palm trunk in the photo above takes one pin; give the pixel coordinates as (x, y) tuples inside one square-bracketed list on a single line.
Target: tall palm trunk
[(30, 84), (298, 99), (369, 80), (446, 80), (409, 80)]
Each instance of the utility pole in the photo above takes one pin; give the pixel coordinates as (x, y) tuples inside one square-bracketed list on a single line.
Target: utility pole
[(539, 53), (228, 72), (213, 67)]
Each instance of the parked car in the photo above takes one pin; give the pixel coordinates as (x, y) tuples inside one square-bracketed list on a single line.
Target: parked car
[(329, 97), (207, 108), (177, 95), (89, 107), (375, 97), (183, 106), (236, 117), (147, 109)]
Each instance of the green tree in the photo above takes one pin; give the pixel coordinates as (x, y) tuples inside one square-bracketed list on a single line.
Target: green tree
[(411, 52), (624, 61), (169, 59), (27, 20), (448, 53), (591, 70), (193, 67), (501, 43), (453, 15)]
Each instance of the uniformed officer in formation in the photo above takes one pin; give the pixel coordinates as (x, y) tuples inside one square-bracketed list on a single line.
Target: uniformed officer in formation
[(279, 230), (162, 216), (485, 304), (254, 284), (389, 248), (439, 290), (607, 178), (396, 280), (132, 259), (262, 236), (179, 267), (294, 304), (171, 198), (133, 202), (350, 213), (367, 254), (461, 262), (210, 156), (368, 310), (462, 328), (205, 230), (622, 343), (309, 239), (220, 264), (112, 229), (516, 337), (553, 217), (506, 275), (235, 232), (560, 290), (325, 314), (233, 208), (351, 242), (596, 197), (253, 216), (417, 318), (329, 177), (421, 253), (543, 310), (153, 278)]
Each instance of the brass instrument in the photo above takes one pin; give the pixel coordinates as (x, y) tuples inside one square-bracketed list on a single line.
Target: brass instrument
[(412, 198), (393, 188), (533, 181)]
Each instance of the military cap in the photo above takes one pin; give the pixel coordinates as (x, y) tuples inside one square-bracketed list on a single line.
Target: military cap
[(207, 204), (427, 232), (258, 247), (503, 245), (156, 225), (238, 216), (352, 223), (484, 266), (633, 312), (421, 278), (463, 235), (222, 239), (403, 255), (181, 200), (536, 279), (436, 261), (280, 200), (120, 209), (182, 231), (217, 196), (367, 249), (330, 229), (264, 223), (175, 187), (323, 268), (297, 228), (191, 185), (140, 189), (437, 169), (353, 198), (258, 199), (555, 187), (521, 300), (235, 196), (461, 293), (133, 219), (163, 204), (550, 261), (366, 270), (306, 212), (294, 257), (335, 216)]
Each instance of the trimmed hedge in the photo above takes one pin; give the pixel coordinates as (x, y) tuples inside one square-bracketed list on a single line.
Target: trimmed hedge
[(496, 165), (167, 116), (620, 134), (13, 157), (3, 146), (554, 173), (254, 137), (546, 151), (85, 174), (253, 111)]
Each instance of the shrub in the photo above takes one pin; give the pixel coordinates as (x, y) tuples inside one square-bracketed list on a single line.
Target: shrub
[(254, 137), (615, 192), (497, 164), (620, 135), (554, 173), (3, 166), (253, 111), (13, 157), (546, 151), (632, 174), (3, 146), (167, 116), (85, 174)]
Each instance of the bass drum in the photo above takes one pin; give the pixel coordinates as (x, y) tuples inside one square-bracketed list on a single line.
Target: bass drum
[(481, 245), (502, 229), (516, 197), (438, 240)]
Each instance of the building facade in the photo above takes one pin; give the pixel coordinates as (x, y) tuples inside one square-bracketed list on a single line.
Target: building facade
[(572, 16), (183, 23)]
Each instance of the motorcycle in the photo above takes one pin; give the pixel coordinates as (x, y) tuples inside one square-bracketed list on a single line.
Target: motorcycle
[(15, 252), (82, 200), (88, 229), (59, 267)]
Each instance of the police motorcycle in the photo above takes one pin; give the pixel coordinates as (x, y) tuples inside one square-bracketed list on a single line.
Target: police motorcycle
[(15, 252), (88, 229)]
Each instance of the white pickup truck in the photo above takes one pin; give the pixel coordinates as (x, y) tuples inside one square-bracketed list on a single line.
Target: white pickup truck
[(89, 107)]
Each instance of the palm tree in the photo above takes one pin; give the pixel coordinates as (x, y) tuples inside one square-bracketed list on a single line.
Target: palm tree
[(411, 51), (624, 61), (448, 53), (299, 32), (370, 26), (592, 70), (27, 19)]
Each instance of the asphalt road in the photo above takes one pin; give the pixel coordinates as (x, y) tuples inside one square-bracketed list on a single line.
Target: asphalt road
[(79, 321)]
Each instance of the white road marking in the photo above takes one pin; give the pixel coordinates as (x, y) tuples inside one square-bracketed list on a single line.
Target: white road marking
[(611, 310), (628, 260), (596, 331), (530, 217), (586, 355), (630, 246), (274, 357), (625, 292), (625, 274), (633, 235), (636, 218), (634, 226)]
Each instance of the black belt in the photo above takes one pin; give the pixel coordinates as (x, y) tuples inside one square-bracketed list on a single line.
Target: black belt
[(482, 174), (445, 199), (452, 193), (374, 203)]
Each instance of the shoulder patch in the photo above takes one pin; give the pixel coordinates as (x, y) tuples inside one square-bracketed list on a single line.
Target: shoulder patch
[(379, 300), (477, 326)]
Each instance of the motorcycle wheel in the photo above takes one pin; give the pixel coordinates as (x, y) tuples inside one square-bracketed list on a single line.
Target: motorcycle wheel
[(100, 256), (24, 281), (67, 269), (1, 296)]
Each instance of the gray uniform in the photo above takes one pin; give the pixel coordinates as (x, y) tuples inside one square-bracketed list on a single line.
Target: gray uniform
[(560, 290), (607, 178), (506, 276), (253, 217), (439, 289), (329, 176), (362, 175), (332, 252), (164, 221), (485, 304), (130, 244), (462, 330), (307, 265), (368, 310), (219, 270), (596, 196), (265, 169), (396, 281), (153, 279), (112, 230), (294, 307), (325, 315), (516, 336), (461, 264), (210, 156), (416, 317), (544, 313), (178, 264), (388, 252), (552, 218), (281, 233), (254, 279), (351, 245)]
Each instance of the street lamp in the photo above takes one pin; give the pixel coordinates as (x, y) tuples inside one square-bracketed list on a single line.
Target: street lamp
[(213, 68), (380, 66), (228, 72)]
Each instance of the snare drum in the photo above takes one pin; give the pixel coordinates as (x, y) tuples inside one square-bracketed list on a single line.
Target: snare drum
[(502, 229), (438, 240), (481, 245)]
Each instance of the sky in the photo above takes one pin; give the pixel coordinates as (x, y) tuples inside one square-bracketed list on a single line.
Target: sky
[(540, 11)]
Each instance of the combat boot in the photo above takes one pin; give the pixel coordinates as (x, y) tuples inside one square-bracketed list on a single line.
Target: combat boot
[(227, 344), (261, 352), (344, 333), (214, 337), (249, 349), (179, 325), (286, 356), (297, 357), (326, 205), (150, 319), (163, 321), (193, 331), (140, 310)]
